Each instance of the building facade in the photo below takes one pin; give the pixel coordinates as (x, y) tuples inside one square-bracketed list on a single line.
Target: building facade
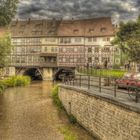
[(50, 44)]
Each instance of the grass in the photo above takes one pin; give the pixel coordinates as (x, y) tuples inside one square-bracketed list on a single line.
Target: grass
[(14, 81), (68, 134), (59, 104), (104, 73), (55, 97)]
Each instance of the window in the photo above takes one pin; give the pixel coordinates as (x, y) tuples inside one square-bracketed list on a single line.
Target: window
[(90, 59), (65, 40), (105, 59), (96, 50), (50, 39), (61, 40), (94, 39), (89, 50), (75, 49), (17, 59), (89, 39), (60, 50), (64, 60), (108, 38), (117, 51), (23, 59), (96, 59), (103, 29), (71, 49), (117, 61), (77, 39), (106, 50)]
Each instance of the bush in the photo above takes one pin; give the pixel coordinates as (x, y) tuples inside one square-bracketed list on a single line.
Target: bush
[(2, 86), (56, 99), (72, 119), (60, 106), (17, 81), (14, 81), (105, 72), (68, 134)]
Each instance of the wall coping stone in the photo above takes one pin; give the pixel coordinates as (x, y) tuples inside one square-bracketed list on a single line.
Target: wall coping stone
[(113, 100)]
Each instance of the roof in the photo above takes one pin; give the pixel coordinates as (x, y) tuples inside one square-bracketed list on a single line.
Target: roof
[(88, 27)]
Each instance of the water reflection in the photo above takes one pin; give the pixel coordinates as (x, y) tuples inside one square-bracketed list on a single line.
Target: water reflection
[(27, 113)]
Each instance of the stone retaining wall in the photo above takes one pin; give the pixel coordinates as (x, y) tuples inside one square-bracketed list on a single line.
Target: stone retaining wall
[(102, 117)]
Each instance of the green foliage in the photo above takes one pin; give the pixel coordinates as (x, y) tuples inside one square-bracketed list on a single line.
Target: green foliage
[(116, 66), (72, 119), (5, 50), (105, 73), (2, 86), (17, 81), (55, 97), (7, 11), (128, 39), (14, 81), (68, 135)]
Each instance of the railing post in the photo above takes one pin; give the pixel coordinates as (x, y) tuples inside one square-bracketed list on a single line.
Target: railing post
[(100, 82), (91, 70), (63, 80), (88, 81), (115, 87), (80, 81), (69, 81)]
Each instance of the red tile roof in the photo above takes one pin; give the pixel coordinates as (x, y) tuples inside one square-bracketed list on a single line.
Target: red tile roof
[(88, 27)]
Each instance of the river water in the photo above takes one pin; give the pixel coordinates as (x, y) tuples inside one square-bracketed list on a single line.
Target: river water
[(28, 113)]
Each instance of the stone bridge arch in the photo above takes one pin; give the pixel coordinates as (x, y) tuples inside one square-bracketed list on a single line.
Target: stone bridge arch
[(43, 73)]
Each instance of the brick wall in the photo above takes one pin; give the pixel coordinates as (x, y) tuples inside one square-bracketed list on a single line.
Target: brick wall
[(101, 117)]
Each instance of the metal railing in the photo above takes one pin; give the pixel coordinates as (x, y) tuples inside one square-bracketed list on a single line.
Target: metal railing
[(106, 85)]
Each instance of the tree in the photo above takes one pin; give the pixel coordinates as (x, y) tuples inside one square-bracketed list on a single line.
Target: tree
[(128, 39), (5, 50), (7, 11)]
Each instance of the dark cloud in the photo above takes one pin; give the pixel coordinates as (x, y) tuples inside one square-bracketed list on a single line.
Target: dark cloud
[(117, 9)]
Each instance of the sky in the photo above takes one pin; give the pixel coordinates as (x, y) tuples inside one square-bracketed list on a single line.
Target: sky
[(119, 10)]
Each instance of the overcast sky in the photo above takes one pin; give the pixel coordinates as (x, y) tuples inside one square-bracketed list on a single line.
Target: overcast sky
[(67, 9)]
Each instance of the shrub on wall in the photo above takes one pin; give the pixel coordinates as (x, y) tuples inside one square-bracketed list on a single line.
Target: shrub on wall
[(2, 86), (59, 104), (55, 97)]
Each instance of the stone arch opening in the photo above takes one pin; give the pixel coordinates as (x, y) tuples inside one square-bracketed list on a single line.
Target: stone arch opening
[(34, 73), (64, 73)]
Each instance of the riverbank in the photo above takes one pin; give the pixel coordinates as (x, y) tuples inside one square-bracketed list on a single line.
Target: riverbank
[(72, 125)]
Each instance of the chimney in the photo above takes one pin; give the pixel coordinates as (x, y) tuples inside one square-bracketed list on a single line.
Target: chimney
[(17, 21), (29, 20)]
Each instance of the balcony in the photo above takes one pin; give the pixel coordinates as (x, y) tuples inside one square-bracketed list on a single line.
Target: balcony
[(48, 54), (49, 64)]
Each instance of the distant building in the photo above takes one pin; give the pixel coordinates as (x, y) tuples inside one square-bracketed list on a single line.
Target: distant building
[(49, 44)]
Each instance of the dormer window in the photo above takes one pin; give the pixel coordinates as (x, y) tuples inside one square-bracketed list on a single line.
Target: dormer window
[(75, 31), (103, 29), (91, 31), (20, 32), (22, 26), (39, 25)]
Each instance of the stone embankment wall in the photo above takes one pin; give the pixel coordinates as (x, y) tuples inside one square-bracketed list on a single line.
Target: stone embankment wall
[(102, 117)]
